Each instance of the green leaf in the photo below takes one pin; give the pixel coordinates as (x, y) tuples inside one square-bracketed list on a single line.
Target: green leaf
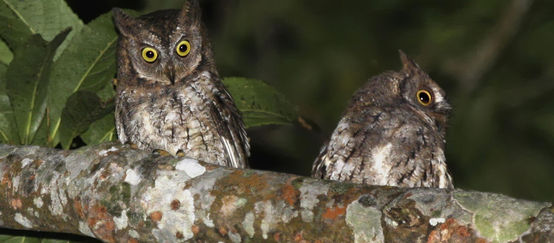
[(18, 239), (55, 241), (100, 131), (8, 132), (27, 239), (82, 109), (13, 29), (20, 19), (41, 136), (6, 55), (27, 83), (260, 103), (88, 63)]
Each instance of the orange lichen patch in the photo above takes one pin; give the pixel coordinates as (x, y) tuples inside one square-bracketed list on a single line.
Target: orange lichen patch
[(132, 240), (290, 194), (156, 216), (6, 180), (78, 208), (195, 229), (333, 213), (175, 204), (298, 237), (254, 182), (16, 203), (101, 222), (105, 174), (37, 162), (277, 237), (451, 231), (222, 231)]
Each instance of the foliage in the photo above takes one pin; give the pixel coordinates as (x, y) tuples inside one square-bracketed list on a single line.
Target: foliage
[(25, 239), (56, 84), (259, 103)]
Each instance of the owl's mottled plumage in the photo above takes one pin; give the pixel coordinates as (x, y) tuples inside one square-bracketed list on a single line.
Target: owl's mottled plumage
[(387, 137), (175, 103)]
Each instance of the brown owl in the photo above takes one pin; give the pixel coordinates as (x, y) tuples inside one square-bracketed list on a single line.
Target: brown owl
[(392, 133), (169, 94)]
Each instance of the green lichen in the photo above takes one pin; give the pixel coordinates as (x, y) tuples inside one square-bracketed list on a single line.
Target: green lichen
[(365, 222), (340, 188), (496, 217), (248, 173), (297, 183), (118, 194)]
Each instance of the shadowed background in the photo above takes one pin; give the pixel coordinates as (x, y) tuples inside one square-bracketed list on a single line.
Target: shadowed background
[(494, 59)]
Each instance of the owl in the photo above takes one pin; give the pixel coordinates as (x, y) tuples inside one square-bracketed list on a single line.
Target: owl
[(392, 133), (169, 95)]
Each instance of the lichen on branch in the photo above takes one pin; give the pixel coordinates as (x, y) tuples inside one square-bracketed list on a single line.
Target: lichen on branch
[(118, 194)]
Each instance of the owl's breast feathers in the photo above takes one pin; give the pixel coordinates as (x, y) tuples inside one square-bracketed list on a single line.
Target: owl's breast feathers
[(197, 117)]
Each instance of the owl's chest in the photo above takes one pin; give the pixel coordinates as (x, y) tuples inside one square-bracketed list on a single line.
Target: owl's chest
[(172, 120)]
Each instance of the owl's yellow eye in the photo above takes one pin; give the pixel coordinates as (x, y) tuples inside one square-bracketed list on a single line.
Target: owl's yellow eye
[(183, 48), (149, 54), (424, 97)]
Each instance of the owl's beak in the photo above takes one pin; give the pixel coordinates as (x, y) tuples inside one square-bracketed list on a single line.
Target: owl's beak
[(171, 75), (444, 107)]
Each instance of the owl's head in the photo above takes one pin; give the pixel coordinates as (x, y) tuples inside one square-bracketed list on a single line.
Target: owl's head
[(162, 47), (422, 93)]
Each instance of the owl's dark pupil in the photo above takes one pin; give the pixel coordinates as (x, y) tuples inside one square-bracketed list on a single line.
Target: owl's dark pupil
[(183, 48), (424, 98), (150, 54)]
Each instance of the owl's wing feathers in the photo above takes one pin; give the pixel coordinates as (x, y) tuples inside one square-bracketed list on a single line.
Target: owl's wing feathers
[(339, 159), (231, 128), (232, 132)]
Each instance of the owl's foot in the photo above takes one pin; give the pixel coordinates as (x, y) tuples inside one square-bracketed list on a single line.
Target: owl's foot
[(161, 152)]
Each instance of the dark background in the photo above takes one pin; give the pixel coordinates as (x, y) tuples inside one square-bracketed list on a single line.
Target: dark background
[(494, 59)]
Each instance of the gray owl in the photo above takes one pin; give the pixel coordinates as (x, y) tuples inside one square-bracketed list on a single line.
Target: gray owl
[(169, 94), (392, 133)]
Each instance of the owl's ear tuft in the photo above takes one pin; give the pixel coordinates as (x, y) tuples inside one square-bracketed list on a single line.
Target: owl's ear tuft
[(123, 22), (408, 65), (190, 13)]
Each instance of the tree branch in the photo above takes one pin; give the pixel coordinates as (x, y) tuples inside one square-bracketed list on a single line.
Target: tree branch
[(117, 194)]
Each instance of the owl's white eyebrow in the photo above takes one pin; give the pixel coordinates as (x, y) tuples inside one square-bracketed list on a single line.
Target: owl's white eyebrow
[(438, 96), (152, 39)]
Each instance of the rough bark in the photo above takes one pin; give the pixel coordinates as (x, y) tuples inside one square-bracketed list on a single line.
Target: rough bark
[(117, 194)]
